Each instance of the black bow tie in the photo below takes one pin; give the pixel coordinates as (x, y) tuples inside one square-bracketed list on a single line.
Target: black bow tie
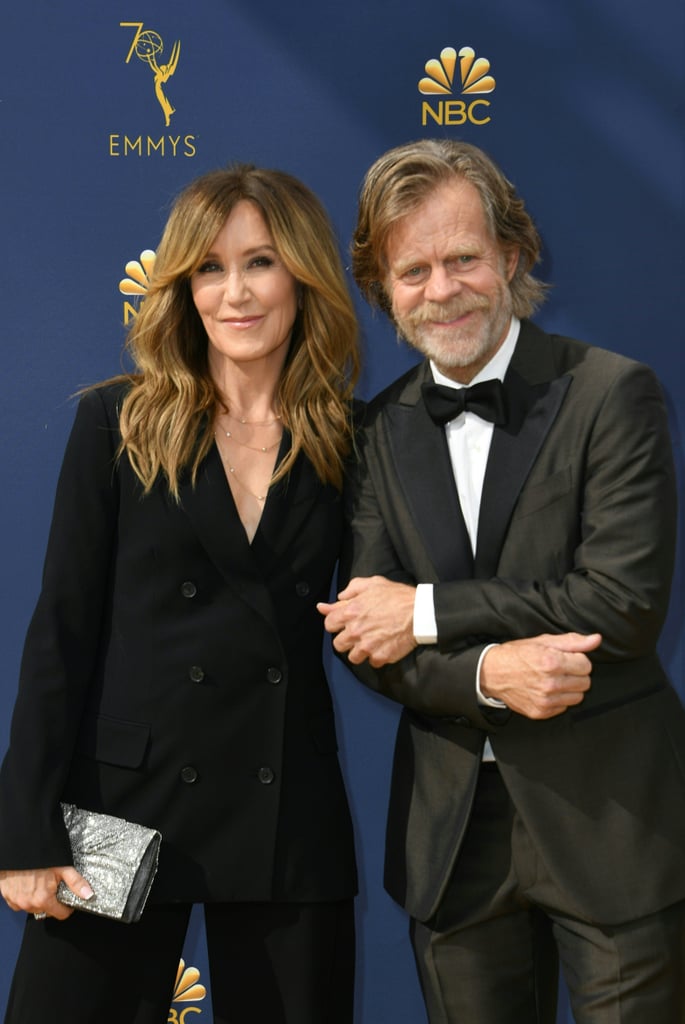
[(486, 399)]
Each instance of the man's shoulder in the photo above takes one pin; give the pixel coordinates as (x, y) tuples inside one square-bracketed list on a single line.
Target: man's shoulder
[(401, 389), (571, 355)]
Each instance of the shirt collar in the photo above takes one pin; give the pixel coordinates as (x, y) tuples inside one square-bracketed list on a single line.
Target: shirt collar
[(496, 368)]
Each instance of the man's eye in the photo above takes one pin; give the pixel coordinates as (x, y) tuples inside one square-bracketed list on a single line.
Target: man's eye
[(457, 264), (414, 274)]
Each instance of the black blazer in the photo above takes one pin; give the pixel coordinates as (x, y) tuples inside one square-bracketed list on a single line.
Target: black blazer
[(576, 532), (173, 675)]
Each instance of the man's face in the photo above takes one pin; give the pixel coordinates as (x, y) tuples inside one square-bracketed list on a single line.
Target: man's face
[(448, 281)]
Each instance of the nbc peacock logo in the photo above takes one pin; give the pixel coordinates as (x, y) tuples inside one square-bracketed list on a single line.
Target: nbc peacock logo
[(188, 989), (475, 79), (137, 281)]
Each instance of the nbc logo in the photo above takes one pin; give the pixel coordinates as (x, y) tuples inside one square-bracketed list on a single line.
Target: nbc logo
[(188, 989), (439, 80), (137, 281)]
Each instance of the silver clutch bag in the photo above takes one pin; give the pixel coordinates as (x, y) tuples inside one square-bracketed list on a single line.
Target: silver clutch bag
[(117, 857)]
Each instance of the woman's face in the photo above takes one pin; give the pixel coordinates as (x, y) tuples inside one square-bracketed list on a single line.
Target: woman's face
[(246, 298)]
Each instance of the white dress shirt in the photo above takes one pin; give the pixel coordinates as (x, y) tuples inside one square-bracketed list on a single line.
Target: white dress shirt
[(468, 439)]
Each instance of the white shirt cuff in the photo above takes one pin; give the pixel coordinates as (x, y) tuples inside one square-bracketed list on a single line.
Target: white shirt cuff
[(425, 626), (490, 701)]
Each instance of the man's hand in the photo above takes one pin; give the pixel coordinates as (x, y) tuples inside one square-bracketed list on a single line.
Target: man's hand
[(373, 618), (540, 677), (35, 891)]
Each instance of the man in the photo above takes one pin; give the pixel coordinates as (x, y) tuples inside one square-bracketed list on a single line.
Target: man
[(538, 795)]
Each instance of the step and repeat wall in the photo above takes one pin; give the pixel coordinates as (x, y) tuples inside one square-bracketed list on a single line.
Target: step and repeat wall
[(107, 110)]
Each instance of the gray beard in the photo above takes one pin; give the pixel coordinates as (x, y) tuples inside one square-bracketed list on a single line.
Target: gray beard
[(461, 348)]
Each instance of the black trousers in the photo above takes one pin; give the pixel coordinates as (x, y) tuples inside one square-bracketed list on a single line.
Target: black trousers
[(490, 954), (285, 963)]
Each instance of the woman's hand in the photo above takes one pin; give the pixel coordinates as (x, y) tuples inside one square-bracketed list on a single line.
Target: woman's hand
[(35, 891)]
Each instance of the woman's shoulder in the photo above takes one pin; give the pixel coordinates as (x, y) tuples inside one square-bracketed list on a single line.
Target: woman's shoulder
[(105, 398)]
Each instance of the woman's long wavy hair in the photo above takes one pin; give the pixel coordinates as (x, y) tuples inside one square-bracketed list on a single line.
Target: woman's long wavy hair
[(167, 415)]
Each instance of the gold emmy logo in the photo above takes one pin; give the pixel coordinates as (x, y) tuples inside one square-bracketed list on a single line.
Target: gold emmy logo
[(149, 47), (188, 989), (476, 79), (137, 280)]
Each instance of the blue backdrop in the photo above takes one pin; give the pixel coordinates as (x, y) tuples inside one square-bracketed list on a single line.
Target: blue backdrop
[(106, 114)]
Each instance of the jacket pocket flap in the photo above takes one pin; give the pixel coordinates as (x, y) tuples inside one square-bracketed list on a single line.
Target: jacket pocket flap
[(115, 741)]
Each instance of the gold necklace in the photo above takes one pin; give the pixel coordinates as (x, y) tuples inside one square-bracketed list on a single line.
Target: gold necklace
[(254, 423), (259, 497), (231, 470), (262, 448)]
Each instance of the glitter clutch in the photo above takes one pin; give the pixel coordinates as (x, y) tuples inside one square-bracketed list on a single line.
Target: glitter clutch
[(117, 857)]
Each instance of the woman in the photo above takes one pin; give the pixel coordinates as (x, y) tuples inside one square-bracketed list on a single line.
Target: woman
[(172, 671)]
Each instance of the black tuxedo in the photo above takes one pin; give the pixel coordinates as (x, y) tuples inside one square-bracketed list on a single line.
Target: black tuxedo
[(576, 532), (173, 675)]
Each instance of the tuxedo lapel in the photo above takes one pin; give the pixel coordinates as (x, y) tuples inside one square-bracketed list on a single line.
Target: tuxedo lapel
[(535, 393), (533, 408), (421, 457)]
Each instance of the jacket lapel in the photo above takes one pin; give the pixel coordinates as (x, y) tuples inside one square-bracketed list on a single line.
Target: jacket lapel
[(419, 451), (535, 394), (288, 506), (210, 508)]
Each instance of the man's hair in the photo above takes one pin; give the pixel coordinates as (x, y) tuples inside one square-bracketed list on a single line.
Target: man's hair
[(405, 177)]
